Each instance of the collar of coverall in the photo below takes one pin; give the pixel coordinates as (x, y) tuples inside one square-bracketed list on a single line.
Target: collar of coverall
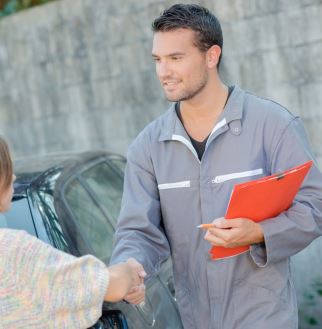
[(231, 117)]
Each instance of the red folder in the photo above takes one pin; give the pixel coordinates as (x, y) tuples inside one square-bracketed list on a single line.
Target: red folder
[(261, 199)]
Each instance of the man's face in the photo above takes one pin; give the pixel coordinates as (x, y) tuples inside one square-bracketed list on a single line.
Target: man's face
[(180, 65)]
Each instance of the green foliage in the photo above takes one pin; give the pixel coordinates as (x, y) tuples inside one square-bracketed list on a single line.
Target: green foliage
[(310, 315), (8, 7), (311, 321)]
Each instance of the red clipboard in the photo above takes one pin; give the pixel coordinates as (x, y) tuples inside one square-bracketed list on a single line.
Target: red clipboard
[(261, 199)]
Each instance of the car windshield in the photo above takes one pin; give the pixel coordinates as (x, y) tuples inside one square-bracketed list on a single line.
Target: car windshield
[(42, 198), (13, 218), (80, 210)]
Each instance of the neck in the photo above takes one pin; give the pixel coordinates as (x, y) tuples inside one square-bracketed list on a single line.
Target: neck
[(209, 102)]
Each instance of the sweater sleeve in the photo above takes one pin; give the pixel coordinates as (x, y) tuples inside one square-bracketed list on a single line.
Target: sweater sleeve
[(42, 287)]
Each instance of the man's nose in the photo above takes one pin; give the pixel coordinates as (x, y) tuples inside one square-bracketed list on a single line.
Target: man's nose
[(163, 70)]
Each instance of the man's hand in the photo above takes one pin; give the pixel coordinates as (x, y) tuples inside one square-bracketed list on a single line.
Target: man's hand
[(136, 294), (123, 278), (234, 232)]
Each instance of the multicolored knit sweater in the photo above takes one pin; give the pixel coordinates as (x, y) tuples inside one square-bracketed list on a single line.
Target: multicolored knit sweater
[(41, 287)]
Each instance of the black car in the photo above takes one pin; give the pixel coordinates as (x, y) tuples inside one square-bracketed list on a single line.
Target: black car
[(72, 202)]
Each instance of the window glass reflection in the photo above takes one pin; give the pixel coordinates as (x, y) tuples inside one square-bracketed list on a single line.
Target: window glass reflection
[(107, 185), (90, 220)]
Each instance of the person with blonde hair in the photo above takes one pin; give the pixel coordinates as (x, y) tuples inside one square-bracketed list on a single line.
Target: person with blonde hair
[(42, 287)]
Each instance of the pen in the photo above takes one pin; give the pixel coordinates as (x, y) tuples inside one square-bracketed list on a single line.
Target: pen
[(204, 226)]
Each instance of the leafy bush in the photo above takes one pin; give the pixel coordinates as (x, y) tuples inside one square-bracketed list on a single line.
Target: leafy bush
[(8, 7), (310, 315)]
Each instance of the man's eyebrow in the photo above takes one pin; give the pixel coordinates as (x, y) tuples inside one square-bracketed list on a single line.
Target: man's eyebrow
[(170, 55)]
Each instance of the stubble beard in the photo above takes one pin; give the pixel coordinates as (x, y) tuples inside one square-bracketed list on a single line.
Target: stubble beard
[(191, 92)]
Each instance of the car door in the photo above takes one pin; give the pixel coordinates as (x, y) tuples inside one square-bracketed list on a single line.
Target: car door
[(93, 196)]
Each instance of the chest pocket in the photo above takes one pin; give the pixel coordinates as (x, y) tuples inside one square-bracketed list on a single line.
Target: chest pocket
[(179, 199)]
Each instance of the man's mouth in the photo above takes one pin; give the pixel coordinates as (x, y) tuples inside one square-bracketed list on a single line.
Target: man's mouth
[(170, 83)]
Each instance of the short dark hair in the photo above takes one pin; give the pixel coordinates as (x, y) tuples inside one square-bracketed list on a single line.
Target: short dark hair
[(193, 17)]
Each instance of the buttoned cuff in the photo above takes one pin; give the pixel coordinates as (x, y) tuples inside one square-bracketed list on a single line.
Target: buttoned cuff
[(259, 254)]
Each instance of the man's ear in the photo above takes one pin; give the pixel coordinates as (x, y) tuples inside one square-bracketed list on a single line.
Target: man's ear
[(213, 55)]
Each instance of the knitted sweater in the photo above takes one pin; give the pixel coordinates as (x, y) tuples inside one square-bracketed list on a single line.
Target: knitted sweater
[(42, 287)]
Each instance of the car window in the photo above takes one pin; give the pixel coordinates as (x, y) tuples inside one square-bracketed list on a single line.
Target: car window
[(107, 186), (119, 163), (18, 217), (90, 220)]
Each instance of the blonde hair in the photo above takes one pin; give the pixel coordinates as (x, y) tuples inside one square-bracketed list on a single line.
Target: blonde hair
[(6, 167)]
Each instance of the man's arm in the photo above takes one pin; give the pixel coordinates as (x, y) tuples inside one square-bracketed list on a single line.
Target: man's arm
[(277, 238), (139, 234)]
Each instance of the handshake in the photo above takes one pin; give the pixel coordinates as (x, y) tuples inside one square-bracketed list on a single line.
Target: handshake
[(126, 281)]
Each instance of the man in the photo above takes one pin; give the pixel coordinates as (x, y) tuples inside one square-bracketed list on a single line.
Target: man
[(181, 171)]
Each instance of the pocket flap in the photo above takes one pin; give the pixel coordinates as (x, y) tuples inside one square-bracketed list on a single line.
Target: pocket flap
[(249, 173), (181, 184)]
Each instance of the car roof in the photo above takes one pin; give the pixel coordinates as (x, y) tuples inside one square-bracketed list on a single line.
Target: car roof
[(30, 169)]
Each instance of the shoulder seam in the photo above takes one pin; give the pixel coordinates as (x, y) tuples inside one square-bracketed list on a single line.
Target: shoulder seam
[(282, 134), (274, 102)]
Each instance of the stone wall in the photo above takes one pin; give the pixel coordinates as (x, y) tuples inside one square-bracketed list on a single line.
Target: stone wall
[(78, 76)]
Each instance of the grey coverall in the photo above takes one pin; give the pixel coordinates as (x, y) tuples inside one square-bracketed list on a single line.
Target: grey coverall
[(166, 182)]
